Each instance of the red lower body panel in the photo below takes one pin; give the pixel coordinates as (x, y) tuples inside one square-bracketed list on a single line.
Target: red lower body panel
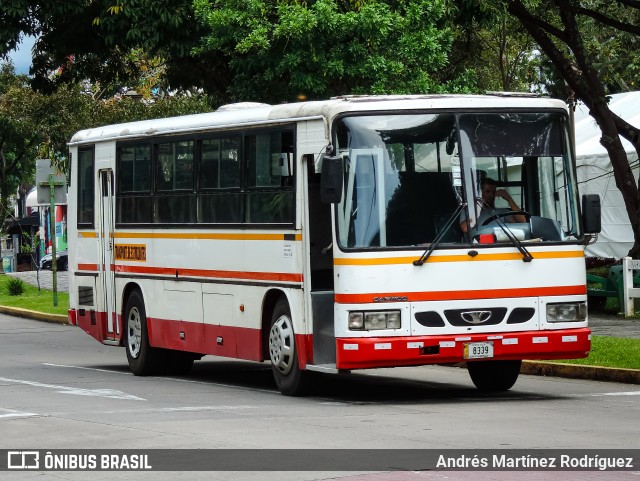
[(362, 353), (217, 340), (351, 353), (92, 322)]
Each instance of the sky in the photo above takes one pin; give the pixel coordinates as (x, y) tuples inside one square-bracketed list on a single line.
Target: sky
[(22, 56)]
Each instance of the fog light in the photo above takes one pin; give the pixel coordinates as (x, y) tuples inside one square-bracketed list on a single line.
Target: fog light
[(567, 312), (356, 321)]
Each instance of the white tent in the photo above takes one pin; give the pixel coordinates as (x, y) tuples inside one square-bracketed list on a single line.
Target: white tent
[(595, 175)]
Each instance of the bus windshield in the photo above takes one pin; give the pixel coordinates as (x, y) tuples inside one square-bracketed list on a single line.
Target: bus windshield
[(406, 175)]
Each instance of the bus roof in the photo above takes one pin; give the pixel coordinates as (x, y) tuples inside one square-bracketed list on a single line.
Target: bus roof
[(247, 114)]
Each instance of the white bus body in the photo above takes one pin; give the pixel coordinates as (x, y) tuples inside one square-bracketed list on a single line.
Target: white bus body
[(206, 234)]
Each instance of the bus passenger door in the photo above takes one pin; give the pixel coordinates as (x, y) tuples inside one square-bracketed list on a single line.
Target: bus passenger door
[(106, 267), (320, 249)]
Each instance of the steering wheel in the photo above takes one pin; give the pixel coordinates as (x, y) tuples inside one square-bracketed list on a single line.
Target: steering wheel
[(506, 214)]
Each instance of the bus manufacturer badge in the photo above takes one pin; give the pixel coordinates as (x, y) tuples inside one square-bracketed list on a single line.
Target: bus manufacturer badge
[(391, 299), (475, 317)]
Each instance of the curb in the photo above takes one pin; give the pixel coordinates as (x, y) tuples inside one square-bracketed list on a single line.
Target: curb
[(36, 316), (575, 371)]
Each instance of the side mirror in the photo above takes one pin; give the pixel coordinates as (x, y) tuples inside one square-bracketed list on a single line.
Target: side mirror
[(591, 217), (331, 179)]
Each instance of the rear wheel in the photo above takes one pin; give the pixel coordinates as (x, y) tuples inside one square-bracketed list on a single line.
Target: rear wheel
[(290, 379), (143, 359), (494, 376)]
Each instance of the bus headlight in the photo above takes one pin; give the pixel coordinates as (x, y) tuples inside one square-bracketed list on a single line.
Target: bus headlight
[(356, 321), (567, 312), (374, 321)]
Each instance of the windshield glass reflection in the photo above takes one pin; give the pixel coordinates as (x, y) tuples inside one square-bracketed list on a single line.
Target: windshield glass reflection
[(405, 176)]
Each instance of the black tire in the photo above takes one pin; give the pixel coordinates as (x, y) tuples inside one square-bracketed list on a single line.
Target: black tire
[(494, 376), (283, 353), (144, 360)]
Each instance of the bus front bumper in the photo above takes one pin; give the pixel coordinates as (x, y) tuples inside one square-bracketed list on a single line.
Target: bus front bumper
[(372, 352)]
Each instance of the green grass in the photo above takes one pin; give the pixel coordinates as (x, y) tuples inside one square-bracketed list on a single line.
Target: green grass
[(620, 352), (32, 299)]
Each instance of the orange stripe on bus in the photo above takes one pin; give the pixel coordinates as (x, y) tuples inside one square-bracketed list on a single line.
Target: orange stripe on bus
[(509, 256), (205, 236), (88, 235), (463, 295)]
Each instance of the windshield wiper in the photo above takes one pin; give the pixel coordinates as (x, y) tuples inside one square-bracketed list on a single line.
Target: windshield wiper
[(425, 255), (526, 255)]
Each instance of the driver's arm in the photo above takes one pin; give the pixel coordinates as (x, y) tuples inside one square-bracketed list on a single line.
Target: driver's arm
[(512, 205)]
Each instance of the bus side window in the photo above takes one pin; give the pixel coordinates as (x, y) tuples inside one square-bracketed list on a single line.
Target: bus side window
[(86, 187)]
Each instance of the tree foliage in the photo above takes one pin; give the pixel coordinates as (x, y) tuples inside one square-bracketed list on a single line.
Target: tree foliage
[(113, 44), (33, 123), (280, 51), (25, 119), (501, 53), (235, 50)]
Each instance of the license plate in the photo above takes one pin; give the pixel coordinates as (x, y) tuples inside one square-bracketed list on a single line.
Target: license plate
[(478, 350)]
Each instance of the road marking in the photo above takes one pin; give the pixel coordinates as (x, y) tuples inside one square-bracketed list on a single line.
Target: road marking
[(602, 394), (108, 393), (12, 413), (206, 408), (207, 383), (87, 368), (185, 409), (623, 393)]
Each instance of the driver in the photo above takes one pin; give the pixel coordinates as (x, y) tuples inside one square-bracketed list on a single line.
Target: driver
[(489, 194)]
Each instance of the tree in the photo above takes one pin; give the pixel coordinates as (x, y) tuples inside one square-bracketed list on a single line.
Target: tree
[(282, 51), (33, 122), (558, 27), (107, 42), (23, 115), (501, 53)]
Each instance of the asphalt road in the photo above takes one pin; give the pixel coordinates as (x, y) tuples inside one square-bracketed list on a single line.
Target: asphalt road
[(60, 389)]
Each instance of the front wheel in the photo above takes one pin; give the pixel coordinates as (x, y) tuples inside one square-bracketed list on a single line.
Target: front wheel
[(144, 360), (494, 376), (290, 379)]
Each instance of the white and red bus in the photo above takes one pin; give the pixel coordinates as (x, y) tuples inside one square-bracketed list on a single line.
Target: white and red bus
[(334, 235)]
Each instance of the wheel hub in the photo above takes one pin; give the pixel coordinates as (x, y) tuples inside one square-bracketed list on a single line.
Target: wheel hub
[(282, 345), (134, 332)]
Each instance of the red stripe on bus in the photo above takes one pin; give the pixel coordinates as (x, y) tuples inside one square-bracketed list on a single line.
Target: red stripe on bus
[(88, 267), (218, 274), (460, 295)]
